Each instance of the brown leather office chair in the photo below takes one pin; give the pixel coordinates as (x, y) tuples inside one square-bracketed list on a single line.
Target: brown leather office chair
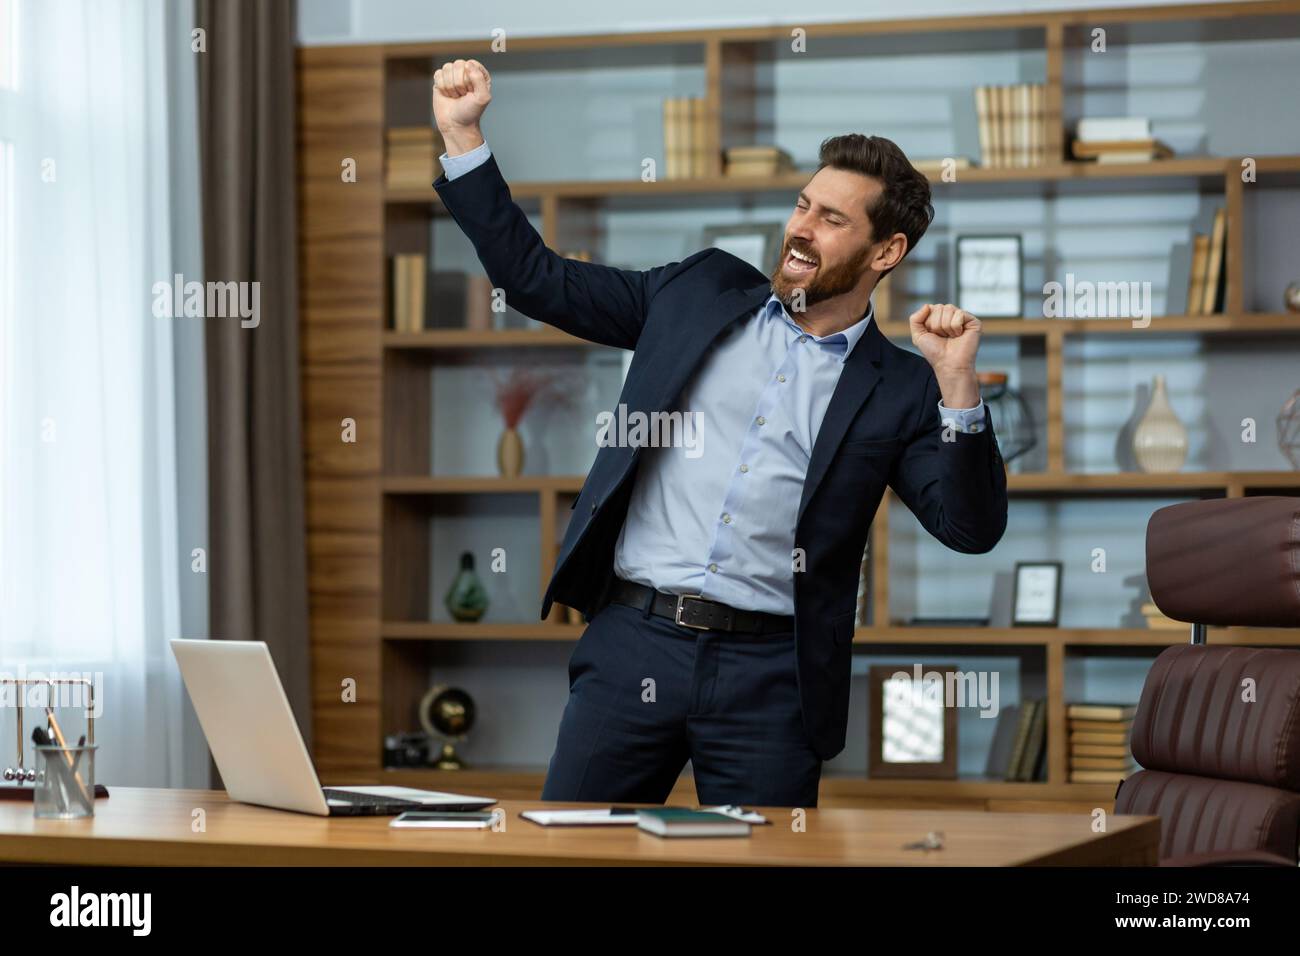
[(1220, 769)]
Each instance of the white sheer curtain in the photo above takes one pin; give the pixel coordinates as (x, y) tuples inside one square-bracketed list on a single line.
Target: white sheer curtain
[(95, 534)]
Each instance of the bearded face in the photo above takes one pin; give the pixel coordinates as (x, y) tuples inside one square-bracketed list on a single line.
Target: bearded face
[(804, 266), (828, 240)]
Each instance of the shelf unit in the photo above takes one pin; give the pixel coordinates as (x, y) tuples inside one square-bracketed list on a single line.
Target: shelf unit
[(366, 500)]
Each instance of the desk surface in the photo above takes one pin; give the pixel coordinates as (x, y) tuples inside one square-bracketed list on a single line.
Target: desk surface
[(137, 826)]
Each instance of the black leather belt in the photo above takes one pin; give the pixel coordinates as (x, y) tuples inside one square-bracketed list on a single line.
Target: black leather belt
[(691, 610)]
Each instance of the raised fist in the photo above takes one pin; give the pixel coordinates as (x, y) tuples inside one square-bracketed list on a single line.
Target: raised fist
[(461, 92)]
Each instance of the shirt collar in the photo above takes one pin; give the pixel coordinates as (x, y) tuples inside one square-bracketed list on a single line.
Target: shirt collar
[(847, 338)]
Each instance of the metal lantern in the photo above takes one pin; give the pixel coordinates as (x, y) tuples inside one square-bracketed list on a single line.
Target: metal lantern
[(1013, 422)]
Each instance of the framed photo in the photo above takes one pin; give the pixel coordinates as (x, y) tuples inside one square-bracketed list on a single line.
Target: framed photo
[(990, 273), (759, 244), (1036, 594), (911, 731)]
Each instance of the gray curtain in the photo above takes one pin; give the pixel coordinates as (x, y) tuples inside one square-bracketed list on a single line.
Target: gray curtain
[(257, 551)]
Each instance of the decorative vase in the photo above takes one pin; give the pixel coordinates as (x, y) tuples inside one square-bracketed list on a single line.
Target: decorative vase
[(510, 453), (1291, 298), (1160, 441), (466, 599)]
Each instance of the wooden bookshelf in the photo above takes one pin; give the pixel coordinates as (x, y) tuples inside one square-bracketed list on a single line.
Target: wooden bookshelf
[(448, 340), (366, 518)]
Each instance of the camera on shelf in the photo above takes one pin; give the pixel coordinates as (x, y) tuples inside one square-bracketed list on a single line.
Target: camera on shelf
[(410, 749)]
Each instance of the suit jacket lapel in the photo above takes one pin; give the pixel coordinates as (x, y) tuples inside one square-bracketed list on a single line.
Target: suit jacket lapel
[(858, 380)]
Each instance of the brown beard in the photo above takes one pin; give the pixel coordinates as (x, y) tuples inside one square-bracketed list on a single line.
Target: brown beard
[(828, 282)]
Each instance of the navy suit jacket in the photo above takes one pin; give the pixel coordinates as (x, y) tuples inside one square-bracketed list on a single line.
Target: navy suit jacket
[(881, 428)]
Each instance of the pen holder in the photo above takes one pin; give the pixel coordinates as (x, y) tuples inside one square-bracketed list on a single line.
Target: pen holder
[(65, 782)]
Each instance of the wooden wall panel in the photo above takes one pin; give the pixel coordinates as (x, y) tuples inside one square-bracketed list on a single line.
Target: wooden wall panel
[(341, 275)]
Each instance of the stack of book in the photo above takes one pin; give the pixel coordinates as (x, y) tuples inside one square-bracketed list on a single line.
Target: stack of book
[(1207, 282), (1029, 750), (410, 272), (1119, 139), (1012, 125), (686, 151), (411, 157), (1099, 742), (756, 161), (420, 299)]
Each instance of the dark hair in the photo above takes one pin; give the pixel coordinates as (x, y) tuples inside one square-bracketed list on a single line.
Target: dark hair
[(904, 202)]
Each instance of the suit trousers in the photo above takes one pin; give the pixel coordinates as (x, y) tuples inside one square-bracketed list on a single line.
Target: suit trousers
[(647, 694)]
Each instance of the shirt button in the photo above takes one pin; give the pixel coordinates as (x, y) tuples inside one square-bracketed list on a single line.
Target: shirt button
[(780, 378), (803, 338), (744, 468), (762, 420), (726, 519), (713, 567), (593, 507)]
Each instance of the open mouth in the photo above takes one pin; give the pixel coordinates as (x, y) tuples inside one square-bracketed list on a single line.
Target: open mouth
[(799, 263)]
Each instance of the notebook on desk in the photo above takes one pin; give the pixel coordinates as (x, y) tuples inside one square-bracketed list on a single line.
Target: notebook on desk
[(256, 745)]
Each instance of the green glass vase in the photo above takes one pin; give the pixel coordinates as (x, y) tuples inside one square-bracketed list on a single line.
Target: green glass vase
[(466, 599)]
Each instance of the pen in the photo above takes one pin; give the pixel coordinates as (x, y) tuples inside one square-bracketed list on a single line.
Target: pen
[(42, 738), (67, 757)]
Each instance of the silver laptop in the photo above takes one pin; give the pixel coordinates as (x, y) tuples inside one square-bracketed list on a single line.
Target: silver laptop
[(256, 744)]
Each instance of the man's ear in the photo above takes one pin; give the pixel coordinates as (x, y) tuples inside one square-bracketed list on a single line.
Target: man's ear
[(890, 252)]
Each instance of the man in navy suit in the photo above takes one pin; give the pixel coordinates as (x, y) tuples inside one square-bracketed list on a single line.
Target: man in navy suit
[(719, 580)]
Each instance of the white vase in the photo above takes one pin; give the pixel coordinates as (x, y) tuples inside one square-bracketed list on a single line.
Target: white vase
[(1160, 440)]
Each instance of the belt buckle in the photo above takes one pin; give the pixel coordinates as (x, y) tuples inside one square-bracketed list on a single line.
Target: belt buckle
[(678, 617)]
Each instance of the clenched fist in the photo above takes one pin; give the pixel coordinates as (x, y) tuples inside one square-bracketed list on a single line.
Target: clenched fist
[(462, 90), (948, 338)]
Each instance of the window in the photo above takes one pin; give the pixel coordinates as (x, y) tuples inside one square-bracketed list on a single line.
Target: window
[(8, 46), (8, 80)]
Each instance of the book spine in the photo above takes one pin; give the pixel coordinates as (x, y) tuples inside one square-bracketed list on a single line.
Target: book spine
[(671, 145), (1214, 266), (1022, 738), (396, 293), (1038, 116), (995, 126), (982, 116), (700, 136), (1022, 125), (419, 289), (1196, 282)]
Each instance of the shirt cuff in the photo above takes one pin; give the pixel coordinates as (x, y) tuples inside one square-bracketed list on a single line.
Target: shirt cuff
[(453, 166), (968, 421)]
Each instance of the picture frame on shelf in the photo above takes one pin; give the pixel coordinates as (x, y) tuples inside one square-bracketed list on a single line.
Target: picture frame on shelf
[(911, 733), (1036, 594), (990, 275), (758, 243)]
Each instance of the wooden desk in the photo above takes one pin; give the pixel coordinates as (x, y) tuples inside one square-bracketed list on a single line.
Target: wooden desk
[(154, 827)]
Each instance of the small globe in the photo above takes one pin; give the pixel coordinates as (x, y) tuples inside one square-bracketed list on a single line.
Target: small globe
[(447, 712)]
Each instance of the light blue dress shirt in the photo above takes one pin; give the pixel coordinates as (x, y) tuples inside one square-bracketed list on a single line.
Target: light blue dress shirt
[(718, 520)]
